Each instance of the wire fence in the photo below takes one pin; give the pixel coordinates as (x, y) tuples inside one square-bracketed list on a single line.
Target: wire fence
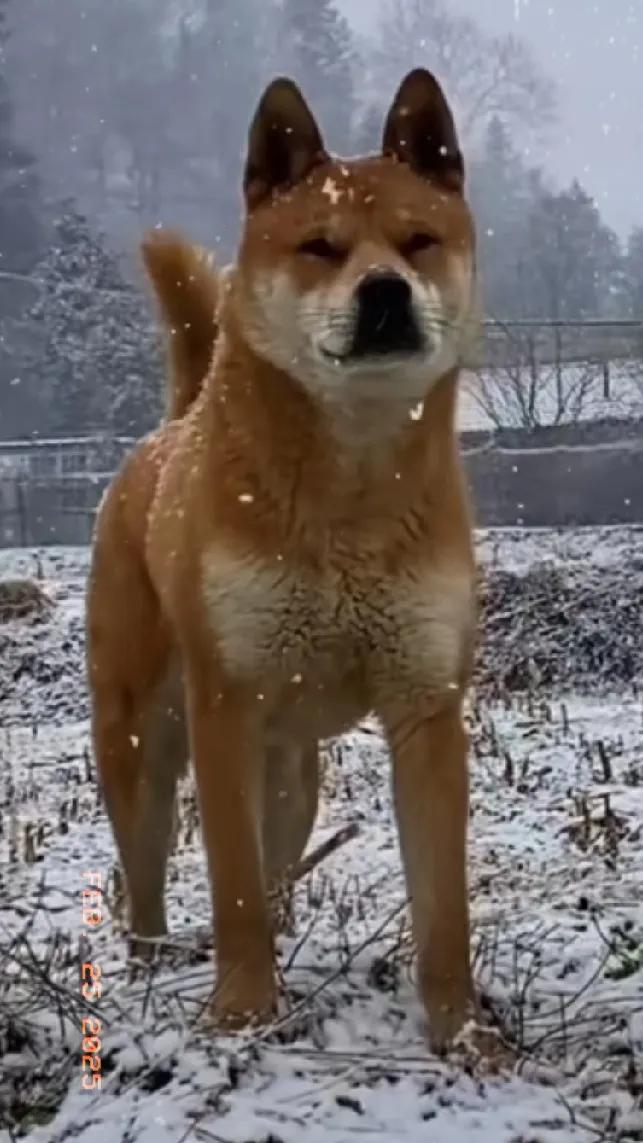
[(557, 485), (538, 343), (525, 375), (537, 340)]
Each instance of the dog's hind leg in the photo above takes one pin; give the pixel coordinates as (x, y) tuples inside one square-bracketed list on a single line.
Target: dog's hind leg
[(138, 730), (139, 764), (291, 795)]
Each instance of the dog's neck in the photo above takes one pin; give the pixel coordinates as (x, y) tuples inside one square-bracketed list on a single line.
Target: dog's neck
[(373, 451)]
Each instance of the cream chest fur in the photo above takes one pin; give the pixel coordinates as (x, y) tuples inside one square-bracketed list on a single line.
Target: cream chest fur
[(267, 619)]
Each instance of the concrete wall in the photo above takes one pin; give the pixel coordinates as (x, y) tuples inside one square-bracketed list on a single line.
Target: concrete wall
[(556, 485)]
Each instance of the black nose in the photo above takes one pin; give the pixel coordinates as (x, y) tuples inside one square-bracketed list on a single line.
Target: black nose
[(385, 319), (385, 292)]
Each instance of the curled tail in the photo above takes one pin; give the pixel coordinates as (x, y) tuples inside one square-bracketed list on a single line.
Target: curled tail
[(187, 287)]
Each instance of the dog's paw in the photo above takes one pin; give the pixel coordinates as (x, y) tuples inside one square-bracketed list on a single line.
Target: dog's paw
[(243, 1001)]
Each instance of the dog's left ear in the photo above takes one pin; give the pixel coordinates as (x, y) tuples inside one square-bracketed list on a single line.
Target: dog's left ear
[(420, 131), (284, 142)]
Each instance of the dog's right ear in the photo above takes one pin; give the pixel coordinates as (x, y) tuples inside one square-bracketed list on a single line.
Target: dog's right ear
[(284, 142)]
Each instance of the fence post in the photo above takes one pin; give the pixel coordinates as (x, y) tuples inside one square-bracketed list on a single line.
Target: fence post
[(560, 396), (533, 373), (23, 514)]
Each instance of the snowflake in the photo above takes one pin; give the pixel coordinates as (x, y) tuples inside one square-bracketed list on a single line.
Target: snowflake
[(331, 189)]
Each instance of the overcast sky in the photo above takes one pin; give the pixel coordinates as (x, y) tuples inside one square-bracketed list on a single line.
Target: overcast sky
[(593, 49)]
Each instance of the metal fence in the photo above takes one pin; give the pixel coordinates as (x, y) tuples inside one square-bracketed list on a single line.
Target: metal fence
[(49, 489), (35, 512), (557, 486), (549, 343)]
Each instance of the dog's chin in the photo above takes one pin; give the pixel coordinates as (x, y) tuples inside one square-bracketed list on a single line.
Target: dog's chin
[(368, 364), (405, 375)]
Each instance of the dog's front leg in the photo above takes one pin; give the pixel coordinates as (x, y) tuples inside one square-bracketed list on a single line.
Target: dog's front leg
[(431, 800), (228, 755)]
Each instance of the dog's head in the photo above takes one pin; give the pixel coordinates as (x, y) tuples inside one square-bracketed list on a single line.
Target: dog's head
[(357, 277)]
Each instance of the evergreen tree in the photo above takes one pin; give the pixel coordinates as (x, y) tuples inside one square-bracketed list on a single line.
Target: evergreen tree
[(321, 55), (573, 258), (502, 191), (20, 225), (98, 353), (368, 131), (543, 255), (633, 276), (219, 67)]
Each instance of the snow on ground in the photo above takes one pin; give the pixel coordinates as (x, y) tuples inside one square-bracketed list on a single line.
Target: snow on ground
[(556, 862)]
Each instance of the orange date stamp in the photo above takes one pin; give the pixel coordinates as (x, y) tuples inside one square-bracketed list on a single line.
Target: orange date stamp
[(91, 988)]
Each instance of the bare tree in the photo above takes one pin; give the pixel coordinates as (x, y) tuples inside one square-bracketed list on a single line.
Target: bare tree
[(528, 389), (633, 370), (485, 75)]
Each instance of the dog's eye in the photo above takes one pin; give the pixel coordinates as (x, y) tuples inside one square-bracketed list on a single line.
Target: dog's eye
[(417, 243), (322, 248)]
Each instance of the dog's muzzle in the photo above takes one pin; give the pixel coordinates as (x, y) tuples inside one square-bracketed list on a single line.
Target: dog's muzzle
[(386, 323)]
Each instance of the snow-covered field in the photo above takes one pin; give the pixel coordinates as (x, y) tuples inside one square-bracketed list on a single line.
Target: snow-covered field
[(556, 861)]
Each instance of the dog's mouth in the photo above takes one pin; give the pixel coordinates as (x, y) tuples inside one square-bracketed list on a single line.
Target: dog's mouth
[(366, 355), (333, 357)]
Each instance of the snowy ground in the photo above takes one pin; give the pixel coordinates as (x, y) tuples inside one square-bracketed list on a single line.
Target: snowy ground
[(556, 875)]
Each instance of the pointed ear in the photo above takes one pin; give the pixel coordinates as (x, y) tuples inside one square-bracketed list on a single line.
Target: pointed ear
[(284, 142), (420, 131)]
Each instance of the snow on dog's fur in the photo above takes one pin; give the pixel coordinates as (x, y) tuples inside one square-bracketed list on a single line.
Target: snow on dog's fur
[(295, 550)]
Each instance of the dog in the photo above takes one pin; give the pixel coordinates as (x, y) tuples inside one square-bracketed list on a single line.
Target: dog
[(292, 548)]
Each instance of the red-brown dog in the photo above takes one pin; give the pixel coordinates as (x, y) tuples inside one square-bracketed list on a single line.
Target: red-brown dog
[(292, 549)]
